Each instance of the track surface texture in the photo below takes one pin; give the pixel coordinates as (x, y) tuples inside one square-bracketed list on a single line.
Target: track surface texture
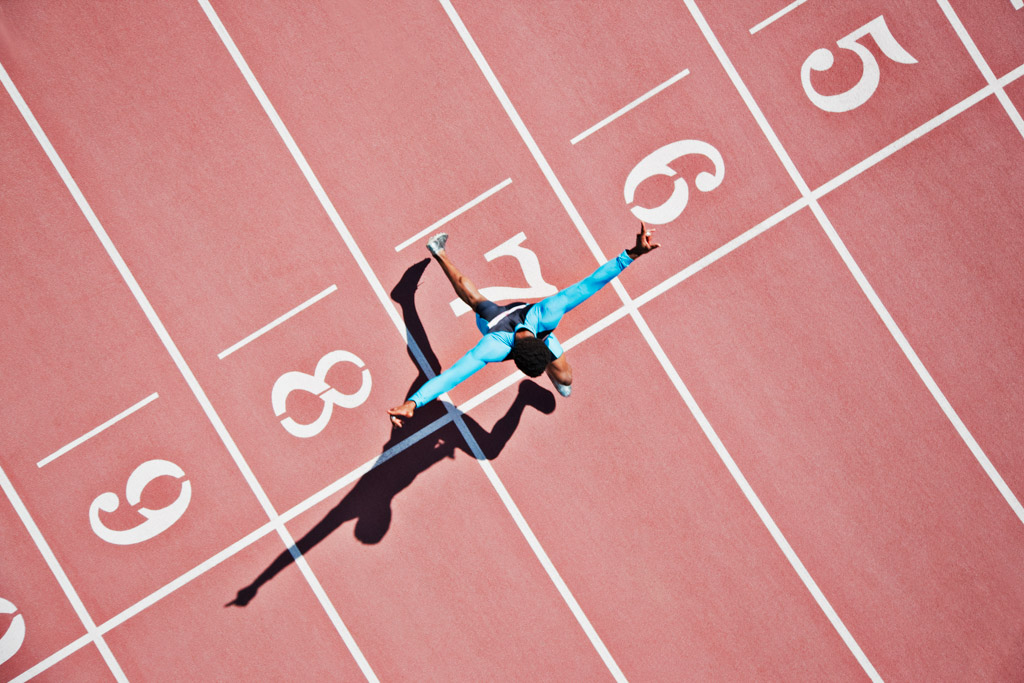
[(793, 446)]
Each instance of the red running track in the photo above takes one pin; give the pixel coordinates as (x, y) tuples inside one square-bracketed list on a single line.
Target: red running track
[(792, 451)]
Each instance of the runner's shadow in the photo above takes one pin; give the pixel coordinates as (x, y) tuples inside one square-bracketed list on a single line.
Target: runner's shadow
[(369, 501)]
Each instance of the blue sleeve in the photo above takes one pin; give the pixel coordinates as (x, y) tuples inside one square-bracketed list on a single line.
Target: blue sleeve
[(488, 350), (553, 346), (549, 312)]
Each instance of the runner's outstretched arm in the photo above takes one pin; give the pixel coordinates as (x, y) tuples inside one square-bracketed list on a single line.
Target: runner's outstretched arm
[(487, 350), (550, 311)]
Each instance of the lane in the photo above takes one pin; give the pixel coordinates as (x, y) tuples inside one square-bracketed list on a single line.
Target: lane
[(593, 64), (826, 136), (389, 111), (218, 226), (436, 581), (666, 555), (871, 484), (193, 633), (76, 351), (939, 240)]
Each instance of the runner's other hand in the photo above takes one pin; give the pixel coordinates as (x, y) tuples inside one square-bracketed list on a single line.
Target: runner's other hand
[(398, 412), (643, 242)]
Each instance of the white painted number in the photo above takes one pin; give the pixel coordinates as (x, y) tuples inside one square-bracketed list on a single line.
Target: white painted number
[(657, 163), (822, 60), (14, 636), (315, 384), (536, 287), (157, 521)]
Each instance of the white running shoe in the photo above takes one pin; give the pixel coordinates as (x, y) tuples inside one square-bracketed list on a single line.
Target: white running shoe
[(437, 242), (563, 389)]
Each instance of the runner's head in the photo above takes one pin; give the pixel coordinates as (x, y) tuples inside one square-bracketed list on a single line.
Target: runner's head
[(531, 356)]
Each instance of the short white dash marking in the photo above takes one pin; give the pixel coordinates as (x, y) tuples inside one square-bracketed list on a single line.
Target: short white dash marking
[(85, 437), (457, 212), (778, 15), (640, 100), (266, 328)]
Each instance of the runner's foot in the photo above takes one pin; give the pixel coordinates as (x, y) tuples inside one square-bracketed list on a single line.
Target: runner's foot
[(437, 242)]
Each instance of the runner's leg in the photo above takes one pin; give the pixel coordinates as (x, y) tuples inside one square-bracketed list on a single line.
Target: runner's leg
[(464, 287)]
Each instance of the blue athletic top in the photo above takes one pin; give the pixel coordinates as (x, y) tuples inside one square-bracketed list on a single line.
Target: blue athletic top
[(542, 317)]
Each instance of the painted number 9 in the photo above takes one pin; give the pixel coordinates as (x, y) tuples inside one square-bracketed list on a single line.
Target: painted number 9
[(157, 521)]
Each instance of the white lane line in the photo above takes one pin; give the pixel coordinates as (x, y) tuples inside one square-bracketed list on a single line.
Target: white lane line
[(778, 15), (855, 270), (457, 212), (640, 100), (982, 65), (307, 573), (85, 437), (266, 328), (555, 577), (54, 565), (8, 488), (1017, 4)]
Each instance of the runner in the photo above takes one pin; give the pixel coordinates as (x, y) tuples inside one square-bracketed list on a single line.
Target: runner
[(517, 331)]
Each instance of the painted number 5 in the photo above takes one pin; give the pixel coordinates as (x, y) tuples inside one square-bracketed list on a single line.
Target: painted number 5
[(822, 60), (157, 521)]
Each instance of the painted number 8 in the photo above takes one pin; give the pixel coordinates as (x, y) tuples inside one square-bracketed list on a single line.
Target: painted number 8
[(316, 384)]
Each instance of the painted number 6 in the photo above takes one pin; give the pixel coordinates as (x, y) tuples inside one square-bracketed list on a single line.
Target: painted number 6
[(157, 521), (822, 60), (657, 163)]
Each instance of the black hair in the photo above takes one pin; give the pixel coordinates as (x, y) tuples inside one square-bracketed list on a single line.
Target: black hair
[(531, 356)]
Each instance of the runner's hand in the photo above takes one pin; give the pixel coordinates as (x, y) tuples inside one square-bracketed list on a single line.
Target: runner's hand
[(643, 242), (398, 412)]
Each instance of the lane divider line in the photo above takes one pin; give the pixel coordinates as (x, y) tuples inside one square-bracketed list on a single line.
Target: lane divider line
[(454, 214), (93, 432), (629, 107)]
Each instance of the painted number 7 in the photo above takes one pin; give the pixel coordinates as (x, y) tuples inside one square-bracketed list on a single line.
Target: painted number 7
[(822, 60), (537, 288)]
